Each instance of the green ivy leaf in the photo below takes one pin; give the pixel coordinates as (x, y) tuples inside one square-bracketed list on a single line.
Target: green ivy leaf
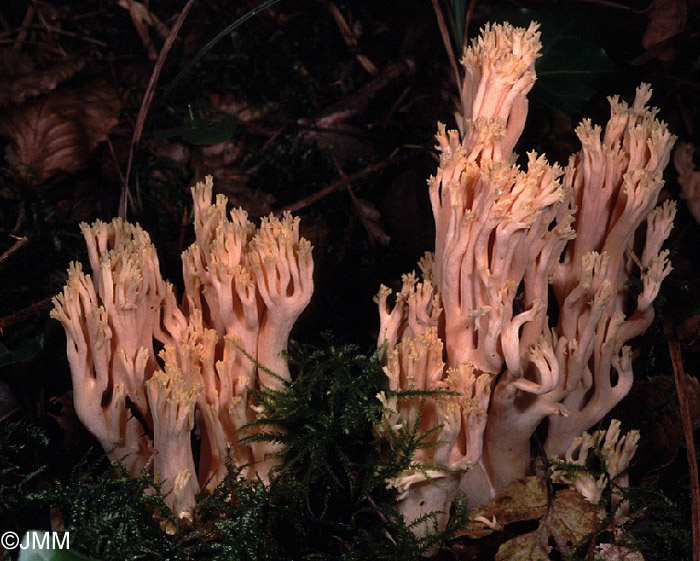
[(200, 131), (572, 64)]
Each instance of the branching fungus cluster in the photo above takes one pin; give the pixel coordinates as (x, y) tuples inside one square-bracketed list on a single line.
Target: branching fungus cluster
[(483, 319), (244, 289), (518, 320)]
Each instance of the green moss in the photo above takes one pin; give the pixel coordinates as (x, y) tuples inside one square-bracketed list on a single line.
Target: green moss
[(111, 516)]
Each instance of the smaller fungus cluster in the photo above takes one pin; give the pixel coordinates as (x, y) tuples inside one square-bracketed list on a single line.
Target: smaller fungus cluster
[(245, 286), (617, 451)]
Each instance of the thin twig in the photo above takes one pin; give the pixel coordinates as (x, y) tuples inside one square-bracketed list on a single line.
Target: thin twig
[(5, 25), (342, 182), (78, 17), (46, 48), (687, 421), (146, 103), (444, 32), (86, 38), (655, 50), (22, 35), (350, 38), (115, 160), (141, 27), (358, 102), (618, 6), (39, 15), (19, 243), (20, 315), (46, 26), (467, 21), (395, 106)]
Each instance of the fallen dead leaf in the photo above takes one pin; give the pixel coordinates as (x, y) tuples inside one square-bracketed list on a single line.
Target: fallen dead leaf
[(528, 547), (611, 552), (171, 150), (662, 437), (222, 160), (22, 78), (371, 220), (688, 179), (568, 520), (232, 104), (667, 18), (525, 499), (59, 131)]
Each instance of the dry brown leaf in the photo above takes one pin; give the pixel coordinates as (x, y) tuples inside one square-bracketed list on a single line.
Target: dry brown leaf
[(666, 19), (525, 499), (528, 547), (171, 150), (232, 104), (570, 518), (371, 220), (59, 131), (611, 552), (67, 419), (22, 79), (567, 521), (222, 160), (689, 180), (662, 437), (689, 332)]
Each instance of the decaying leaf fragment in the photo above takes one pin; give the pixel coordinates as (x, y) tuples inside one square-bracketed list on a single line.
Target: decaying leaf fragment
[(528, 547), (564, 521), (59, 131), (611, 552), (667, 18), (525, 499), (662, 433), (688, 177), (568, 520), (22, 78), (371, 220)]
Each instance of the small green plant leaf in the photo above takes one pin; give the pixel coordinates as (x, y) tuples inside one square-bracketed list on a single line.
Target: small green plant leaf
[(200, 131), (26, 350), (572, 64)]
